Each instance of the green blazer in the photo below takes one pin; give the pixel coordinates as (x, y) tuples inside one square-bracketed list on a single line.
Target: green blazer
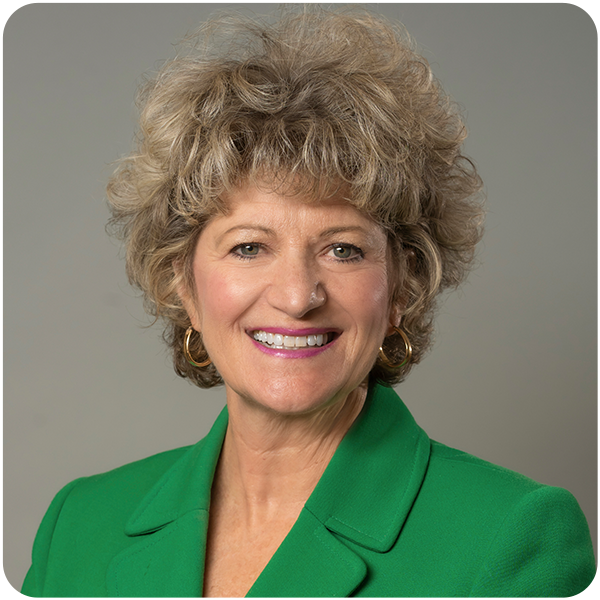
[(395, 514)]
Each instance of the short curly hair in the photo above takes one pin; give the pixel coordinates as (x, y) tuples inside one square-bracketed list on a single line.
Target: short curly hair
[(318, 98)]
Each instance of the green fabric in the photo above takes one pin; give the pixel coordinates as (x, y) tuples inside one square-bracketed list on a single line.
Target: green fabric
[(394, 515)]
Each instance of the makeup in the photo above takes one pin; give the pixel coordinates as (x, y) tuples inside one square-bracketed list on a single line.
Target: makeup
[(293, 343)]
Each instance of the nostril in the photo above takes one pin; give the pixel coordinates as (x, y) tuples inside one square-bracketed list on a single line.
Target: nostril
[(296, 295)]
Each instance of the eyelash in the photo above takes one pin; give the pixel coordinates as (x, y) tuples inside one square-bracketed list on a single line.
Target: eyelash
[(237, 254), (359, 254)]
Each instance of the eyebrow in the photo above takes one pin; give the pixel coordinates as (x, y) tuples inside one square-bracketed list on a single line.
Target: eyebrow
[(331, 231), (335, 230), (246, 227)]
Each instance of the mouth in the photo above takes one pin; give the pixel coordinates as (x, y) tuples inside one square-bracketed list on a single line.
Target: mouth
[(280, 341)]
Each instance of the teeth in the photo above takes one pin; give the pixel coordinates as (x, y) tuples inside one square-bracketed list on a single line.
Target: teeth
[(276, 340)]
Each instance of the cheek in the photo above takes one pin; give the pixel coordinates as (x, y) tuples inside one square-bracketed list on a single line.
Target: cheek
[(222, 298), (370, 297)]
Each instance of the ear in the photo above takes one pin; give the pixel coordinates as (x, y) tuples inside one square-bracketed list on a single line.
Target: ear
[(186, 295), (399, 296), (396, 313), (190, 307)]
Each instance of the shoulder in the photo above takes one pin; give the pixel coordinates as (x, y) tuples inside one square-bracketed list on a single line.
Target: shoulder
[(124, 486), (132, 478), (95, 507), (104, 499), (481, 492), (455, 468), (529, 538), (118, 490)]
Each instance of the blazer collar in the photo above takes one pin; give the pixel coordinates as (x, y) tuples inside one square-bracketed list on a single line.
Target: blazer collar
[(373, 479), (364, 496), (169, 528), (185, 487)]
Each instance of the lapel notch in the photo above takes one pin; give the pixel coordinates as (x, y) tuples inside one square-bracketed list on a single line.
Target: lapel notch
[(311, 562), (166, 563), (169, 527), (370, 485), (362, 499)]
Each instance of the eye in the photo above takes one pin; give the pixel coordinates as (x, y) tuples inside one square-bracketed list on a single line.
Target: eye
[(346, 252), (246, 250)]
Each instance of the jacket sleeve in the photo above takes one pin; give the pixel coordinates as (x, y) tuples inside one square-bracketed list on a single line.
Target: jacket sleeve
[(542, 549), (35, 578)]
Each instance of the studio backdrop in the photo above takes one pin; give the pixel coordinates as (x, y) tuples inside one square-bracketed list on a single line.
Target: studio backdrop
[(88, 385)]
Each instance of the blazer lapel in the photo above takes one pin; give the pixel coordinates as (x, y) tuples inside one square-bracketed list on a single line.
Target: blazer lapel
[(168, 529), (370, 484), (311, 562), (361, 501), (166, 563)]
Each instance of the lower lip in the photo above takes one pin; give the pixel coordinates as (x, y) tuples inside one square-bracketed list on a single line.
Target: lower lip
[(298, 353)]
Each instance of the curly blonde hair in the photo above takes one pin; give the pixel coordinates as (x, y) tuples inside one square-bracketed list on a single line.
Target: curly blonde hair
[(318, 98)]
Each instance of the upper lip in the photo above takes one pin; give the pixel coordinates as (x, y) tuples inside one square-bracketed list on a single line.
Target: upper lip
[(296, 332)]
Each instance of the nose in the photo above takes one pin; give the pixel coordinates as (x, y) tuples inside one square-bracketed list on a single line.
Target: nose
[(295, 287)]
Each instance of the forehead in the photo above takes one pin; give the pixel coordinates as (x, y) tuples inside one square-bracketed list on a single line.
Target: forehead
[(257, 204)]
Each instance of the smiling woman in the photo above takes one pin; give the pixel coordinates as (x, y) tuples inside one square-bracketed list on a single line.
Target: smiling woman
[(289, 109), (271, 266), (295, 207)]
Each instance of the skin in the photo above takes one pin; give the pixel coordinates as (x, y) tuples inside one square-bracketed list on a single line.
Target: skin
[(288, 264)]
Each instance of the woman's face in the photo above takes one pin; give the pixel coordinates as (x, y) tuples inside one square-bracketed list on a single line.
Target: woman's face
[(291, 297)]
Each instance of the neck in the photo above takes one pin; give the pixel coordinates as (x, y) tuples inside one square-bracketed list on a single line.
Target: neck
[(271, 462)]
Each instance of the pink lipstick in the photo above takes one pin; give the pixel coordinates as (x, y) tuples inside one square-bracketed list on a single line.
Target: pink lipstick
[(293, 343)]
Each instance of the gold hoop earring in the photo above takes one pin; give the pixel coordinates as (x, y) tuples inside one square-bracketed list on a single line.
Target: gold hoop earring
[(186, 351), (407, 352)]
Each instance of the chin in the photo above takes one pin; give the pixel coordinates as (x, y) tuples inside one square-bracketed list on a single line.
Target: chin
[(301, 397)]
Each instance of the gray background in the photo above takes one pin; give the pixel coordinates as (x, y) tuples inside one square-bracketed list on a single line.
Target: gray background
[(512, 377)]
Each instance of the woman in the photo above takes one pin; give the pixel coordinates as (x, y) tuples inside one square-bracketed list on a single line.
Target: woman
[(293, 211)]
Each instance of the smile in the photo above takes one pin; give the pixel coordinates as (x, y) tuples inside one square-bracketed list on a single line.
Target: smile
[(279, 341)]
